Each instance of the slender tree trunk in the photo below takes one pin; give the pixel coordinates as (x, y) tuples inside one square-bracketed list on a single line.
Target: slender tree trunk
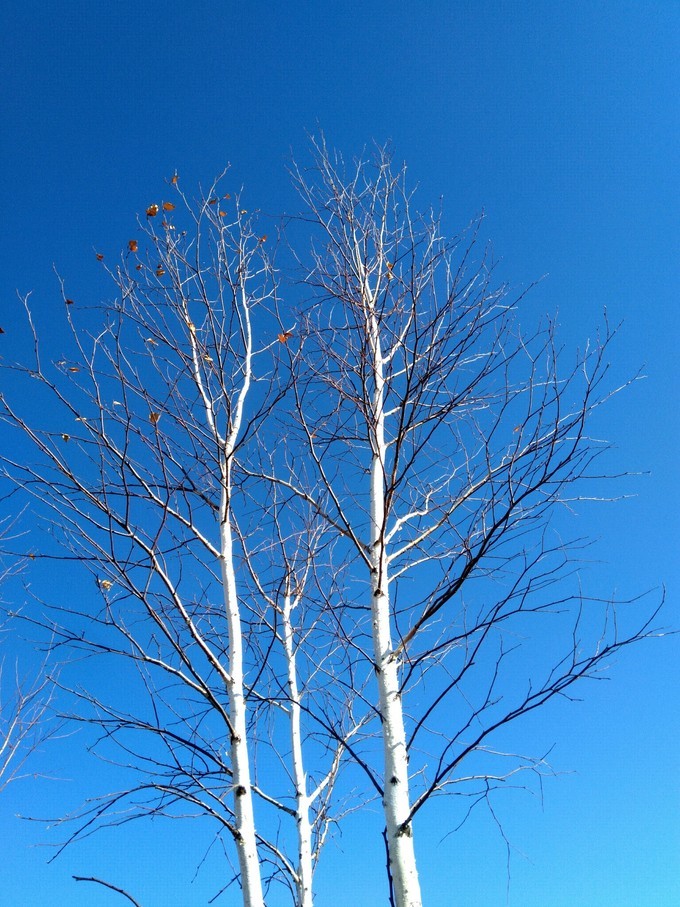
[(304, 828), (246, 841), (396, 799)]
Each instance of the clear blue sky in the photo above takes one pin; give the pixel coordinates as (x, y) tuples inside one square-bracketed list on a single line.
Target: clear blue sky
[(562, 122)]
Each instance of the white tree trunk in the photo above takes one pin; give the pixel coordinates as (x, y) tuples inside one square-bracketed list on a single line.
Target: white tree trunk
[(244, 817), (396, 800), (304, 828), (246, 841)]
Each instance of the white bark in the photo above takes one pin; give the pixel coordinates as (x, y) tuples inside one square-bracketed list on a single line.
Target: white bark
[(244, 817), (304, 827), (246, 841), (396, 800)]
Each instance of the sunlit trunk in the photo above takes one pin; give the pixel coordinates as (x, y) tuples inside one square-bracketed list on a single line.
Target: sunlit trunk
[(246, 842), (396, 801), (304, 828)]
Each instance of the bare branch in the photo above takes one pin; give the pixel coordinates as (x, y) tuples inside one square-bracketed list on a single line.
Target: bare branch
[(109, 886)]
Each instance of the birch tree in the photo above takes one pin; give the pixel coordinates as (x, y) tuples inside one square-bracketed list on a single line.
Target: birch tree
[(323, 525), (310, 705), (131, 452), (441, 439)]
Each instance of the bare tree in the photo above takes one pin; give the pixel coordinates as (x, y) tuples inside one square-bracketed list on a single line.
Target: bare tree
[(436, 441), (205, 575), (307, 701), (136, 466), (320, 540)]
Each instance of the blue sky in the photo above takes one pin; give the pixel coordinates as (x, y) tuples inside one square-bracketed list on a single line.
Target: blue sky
[(561, 121)]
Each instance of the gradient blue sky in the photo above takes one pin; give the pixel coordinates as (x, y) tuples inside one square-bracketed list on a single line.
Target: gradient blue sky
[(562, 122)]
